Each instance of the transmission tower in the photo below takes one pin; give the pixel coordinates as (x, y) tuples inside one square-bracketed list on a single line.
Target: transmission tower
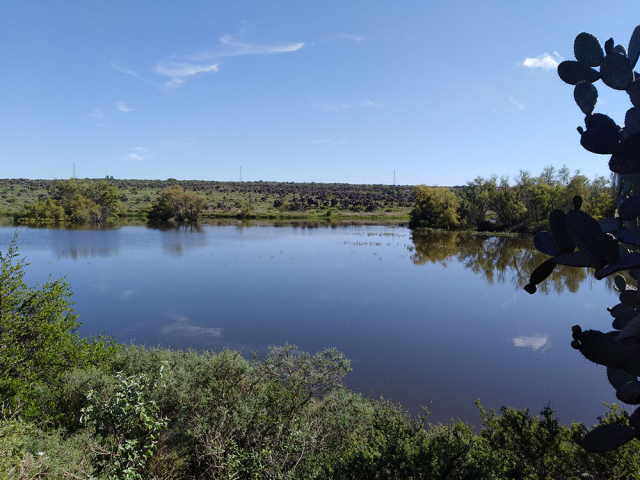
[(394, 178), (74, 170), (240, 173)]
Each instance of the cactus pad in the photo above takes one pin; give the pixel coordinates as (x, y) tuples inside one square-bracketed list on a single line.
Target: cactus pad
[(588, 50), (585, 233), (634, 46), (616, 71), (618, 378), (558, 225), (543, 241), (626, 262), (630, 297), (608, 46), (629, 393), (586, 96), (634, 93), (605, 438), (609, 246), (621, 321), (630, 208), (620, 49), (602, 349), (627, 158), (602, 134), (573, 259), (632, 117), (573, 72), (621, 283), (629, 235), (610, 224), (542, 271)]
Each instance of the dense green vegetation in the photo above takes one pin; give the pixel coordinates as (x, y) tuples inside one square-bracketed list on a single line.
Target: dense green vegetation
[(77, 408), (499, 205), (30, 198), (72, 201)]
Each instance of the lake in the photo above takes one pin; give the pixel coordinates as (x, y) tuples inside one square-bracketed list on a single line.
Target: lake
[(437, 319)]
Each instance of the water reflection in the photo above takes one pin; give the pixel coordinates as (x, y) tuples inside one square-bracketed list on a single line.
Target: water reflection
[(503, 259), (536, 342), (183, 328)]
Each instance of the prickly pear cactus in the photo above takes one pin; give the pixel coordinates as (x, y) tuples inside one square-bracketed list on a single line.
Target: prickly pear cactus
[(611, 245)]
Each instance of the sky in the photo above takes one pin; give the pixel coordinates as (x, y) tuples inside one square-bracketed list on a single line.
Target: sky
[(349, 91)]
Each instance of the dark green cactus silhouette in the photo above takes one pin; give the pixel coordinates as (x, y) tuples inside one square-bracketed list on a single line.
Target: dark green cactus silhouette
[(611, 245)]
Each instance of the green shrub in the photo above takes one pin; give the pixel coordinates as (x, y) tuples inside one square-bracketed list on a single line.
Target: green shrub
[(127, 423), (39, 337)]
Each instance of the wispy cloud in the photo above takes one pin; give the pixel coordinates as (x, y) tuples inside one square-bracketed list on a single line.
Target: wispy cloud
[(544, 61), (181, 66), (180, 142), (127, 71), (239, 48), (348, 36), (537, 342), (127, 294), (96, 113), (123, 107), (179, 71), (515, 103), (136, 154), (331, 107)]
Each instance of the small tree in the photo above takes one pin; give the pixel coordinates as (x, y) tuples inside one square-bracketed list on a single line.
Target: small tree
[(174, 202), (436, 207)]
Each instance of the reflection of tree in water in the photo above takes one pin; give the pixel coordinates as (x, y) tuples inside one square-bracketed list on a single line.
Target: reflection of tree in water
[(177, 238), (498, 259)]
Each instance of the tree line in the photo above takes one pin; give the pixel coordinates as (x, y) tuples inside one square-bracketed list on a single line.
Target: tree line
[(74, 201), (496, 204)]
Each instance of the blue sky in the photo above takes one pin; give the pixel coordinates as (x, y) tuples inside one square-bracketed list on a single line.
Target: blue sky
[(331, 91)]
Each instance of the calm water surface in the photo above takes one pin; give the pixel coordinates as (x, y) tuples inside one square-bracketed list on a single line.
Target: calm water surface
[(436, 320)]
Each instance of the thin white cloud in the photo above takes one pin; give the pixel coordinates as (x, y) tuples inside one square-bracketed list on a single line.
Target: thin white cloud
[(515, 103), (537, 342), (239, 48), (178, 71), (331, 107), (132, 157), (136, 154), (128, 71), (126, 295), (347, 36), (96, 113), (544, 61), (180, 142), (181, 66), (123, 107)]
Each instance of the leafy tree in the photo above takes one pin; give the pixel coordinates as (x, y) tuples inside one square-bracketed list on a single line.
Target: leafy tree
[(174, 202), (436, 207)]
